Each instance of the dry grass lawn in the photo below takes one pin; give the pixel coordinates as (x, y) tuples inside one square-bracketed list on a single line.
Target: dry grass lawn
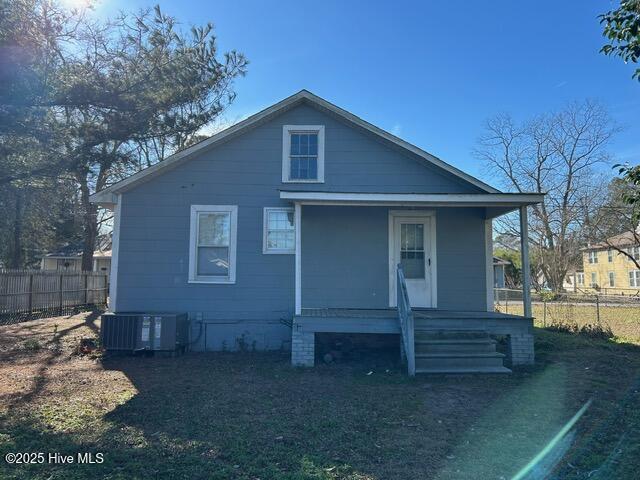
[(252, 416), (623, 320)]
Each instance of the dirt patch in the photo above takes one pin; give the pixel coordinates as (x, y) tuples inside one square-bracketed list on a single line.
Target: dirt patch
[(249, 416)]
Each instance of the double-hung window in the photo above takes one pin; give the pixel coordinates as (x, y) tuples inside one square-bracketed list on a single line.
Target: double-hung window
[(593, 257), (303, 154), (634, 252), (634, 278), (610, 255), (594, 280), (279, 230), (212, 251), (612, 279), (580, 278)]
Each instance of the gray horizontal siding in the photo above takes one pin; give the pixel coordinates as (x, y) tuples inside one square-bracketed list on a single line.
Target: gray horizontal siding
[(345, 258), (246, 171)]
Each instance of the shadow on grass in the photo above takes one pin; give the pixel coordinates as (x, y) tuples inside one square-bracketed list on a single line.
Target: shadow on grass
[(54, 353), (250, 416)]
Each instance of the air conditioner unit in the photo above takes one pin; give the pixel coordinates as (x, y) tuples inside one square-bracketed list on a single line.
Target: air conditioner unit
[(132, 331)]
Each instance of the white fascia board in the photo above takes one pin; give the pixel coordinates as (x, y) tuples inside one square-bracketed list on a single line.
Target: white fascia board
[(458, 199)]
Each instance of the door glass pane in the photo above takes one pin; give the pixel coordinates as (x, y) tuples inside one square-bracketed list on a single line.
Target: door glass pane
[(213, 261), (412, 250), (413, 264)]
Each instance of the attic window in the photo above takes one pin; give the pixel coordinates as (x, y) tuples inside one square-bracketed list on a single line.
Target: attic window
[(303, 154)]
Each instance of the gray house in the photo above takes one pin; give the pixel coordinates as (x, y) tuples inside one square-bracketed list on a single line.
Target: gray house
[(304, 218)]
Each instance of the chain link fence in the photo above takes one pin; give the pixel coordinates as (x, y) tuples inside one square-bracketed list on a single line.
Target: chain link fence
[(30, 294), (619, 313)]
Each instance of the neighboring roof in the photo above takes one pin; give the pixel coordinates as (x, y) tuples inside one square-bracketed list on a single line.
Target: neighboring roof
[(500, 261), (625, 239), (72, 251), (77, 255), (107, 196)]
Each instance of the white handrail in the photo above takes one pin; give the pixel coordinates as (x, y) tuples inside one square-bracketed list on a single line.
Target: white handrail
[(405, 317)]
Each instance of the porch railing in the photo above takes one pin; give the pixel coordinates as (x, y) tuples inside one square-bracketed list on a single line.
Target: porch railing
[(405, 317)]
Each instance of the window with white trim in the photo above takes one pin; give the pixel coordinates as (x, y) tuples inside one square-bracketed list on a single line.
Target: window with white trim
[(634, 252), (634, 278), (594, 280), (303, 153), (610, 255), (593, 257), (278, 230), (580, 278), (612, 279), (212, 249)]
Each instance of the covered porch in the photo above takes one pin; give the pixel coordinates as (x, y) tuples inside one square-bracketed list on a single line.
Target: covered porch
[(417, 265), (517, 329)]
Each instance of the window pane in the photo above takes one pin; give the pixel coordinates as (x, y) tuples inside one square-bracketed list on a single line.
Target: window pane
[(303, 156), (295, 168), (304, 144), (304, 168), (303, 173), (313, 144), (280, 220), (213, 261), (280, 240), (280, 230), (295, 144), (213, 229), (313, 167)]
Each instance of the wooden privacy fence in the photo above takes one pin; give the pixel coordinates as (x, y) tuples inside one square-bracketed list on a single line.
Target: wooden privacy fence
[(28, 294)]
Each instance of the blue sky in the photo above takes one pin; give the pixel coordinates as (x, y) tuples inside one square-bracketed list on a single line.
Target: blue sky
[(430, 72)]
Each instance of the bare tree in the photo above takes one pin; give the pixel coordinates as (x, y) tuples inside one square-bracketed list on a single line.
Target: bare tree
[(557, 154)]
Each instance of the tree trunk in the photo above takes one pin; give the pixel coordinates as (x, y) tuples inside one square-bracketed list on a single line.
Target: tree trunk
[(89, 224), (17, 253)]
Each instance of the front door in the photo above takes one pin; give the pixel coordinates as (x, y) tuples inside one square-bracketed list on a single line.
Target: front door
[(412, 249)]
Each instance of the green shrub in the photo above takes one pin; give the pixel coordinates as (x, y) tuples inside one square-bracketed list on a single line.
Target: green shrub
[(591, 330), (31, 345)]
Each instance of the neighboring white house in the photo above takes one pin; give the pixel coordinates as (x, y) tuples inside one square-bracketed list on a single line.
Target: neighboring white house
[(498, 272), (69, 258)]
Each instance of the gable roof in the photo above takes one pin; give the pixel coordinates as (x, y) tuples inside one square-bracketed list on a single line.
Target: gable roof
[(107, 196), (625, 239)]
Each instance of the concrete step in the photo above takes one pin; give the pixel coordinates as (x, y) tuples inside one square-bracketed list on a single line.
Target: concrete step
[(459, 360), (462, 370), (436, 334), (456, 345)]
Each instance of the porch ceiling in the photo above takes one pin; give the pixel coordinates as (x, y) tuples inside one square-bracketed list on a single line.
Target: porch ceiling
[(495, 204)]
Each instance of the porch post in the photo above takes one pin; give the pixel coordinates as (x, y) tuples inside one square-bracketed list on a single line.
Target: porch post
[(115, 254), (298, 231), (526, 270), (488, 244)]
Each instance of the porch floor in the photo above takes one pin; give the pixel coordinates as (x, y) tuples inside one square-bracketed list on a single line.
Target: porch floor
[(373, 313)]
